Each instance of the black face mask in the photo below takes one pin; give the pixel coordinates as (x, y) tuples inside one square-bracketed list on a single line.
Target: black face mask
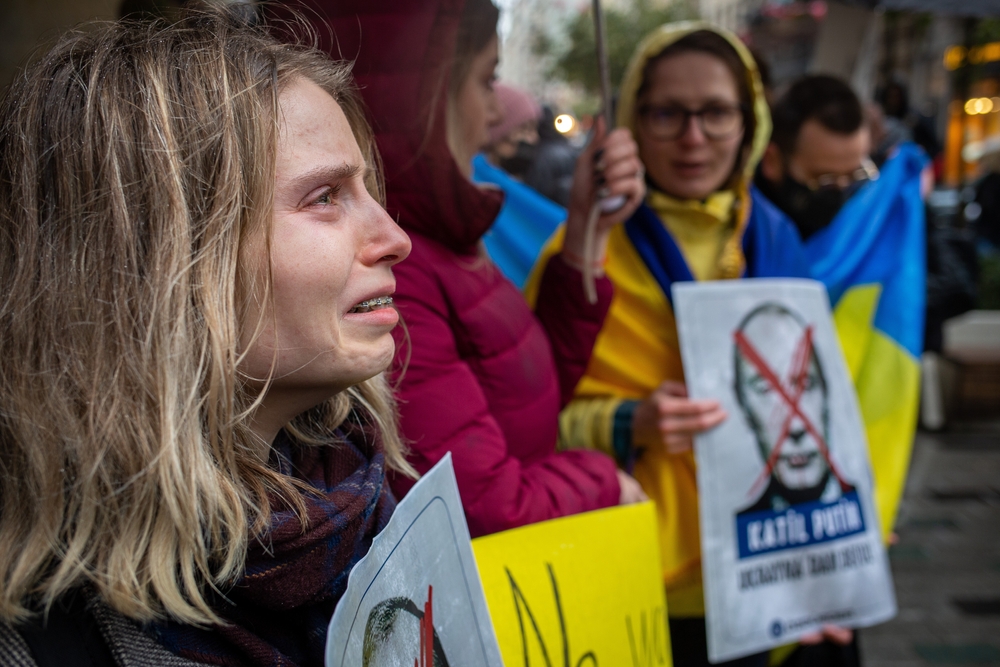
[(518, 164), (810, 210)]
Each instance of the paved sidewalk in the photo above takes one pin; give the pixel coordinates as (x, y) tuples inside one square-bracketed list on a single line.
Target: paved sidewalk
[(947, 562)]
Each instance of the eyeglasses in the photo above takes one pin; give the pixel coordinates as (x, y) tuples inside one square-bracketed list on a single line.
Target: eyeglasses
[(845, 182), (717, 121)]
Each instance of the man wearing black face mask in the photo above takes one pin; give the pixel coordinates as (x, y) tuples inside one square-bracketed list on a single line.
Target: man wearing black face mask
[(818, 155)]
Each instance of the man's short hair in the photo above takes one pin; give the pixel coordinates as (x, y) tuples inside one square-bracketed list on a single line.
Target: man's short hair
[(825, 99)]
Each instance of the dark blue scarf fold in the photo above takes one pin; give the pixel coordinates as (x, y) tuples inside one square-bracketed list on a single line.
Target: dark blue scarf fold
[(278, 611)]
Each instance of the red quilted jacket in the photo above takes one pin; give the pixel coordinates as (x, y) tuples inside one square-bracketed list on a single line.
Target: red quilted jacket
[(485, 377)]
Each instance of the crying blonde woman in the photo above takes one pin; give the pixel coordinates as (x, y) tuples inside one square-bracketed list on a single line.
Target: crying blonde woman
[(196, 274)]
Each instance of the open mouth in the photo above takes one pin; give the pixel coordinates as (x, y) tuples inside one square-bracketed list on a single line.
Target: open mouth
[(799, 460), (372, 304)]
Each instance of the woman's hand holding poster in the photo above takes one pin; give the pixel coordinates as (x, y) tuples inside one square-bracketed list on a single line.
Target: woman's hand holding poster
[(789, 535)]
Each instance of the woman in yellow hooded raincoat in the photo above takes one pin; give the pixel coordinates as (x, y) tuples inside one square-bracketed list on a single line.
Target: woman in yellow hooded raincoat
[(693, 99)]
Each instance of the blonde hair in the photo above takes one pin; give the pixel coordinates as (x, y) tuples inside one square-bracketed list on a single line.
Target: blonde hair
[(135, 159)]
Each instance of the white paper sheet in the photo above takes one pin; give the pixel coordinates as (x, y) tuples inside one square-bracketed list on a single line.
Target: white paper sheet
[(789, 534), (423, 556)]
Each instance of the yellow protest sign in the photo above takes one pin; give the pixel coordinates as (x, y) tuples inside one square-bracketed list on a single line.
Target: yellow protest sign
[(582, 591)]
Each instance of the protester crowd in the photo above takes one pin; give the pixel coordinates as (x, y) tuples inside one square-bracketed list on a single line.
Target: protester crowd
[(247, 303)]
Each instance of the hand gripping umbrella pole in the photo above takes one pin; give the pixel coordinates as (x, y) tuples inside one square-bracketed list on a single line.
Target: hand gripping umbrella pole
[(609, 204)]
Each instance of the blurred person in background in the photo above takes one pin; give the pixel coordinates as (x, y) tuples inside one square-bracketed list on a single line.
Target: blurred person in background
[(894, 99), (987, 228), (887, 133), (514, 140), (818, 155), (953, 262), (695, 103), (527, 218), (196, 427), (987, 222), (482, 376), (553, 168)]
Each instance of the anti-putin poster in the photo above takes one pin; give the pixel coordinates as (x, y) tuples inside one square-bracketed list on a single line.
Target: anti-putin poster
[(789, 535)]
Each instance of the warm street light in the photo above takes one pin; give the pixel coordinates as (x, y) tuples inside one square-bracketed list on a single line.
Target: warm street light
[(565, 123), (981, 105), (954, 56)]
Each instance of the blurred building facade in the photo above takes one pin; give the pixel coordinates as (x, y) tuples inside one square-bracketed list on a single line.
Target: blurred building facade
[(937, 49), (523, 24), (734, 15)]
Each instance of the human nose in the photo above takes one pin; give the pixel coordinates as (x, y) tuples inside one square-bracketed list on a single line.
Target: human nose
[(796, 432), (692, 132), (387, 243)]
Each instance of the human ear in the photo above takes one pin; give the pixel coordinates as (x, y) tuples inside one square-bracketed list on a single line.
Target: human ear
[(771, 164)]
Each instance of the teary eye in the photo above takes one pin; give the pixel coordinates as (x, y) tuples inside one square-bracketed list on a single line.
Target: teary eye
[(327, 197)]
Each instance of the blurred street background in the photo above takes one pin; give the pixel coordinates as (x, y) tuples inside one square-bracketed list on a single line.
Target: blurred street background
[(946, 564), (927, 67)]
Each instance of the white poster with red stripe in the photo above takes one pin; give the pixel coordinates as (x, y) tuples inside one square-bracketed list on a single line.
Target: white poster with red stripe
[(789, 535), (415, 599)]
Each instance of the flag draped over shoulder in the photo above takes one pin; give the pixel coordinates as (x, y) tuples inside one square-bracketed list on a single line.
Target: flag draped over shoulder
[(525, 223), (872, 260)]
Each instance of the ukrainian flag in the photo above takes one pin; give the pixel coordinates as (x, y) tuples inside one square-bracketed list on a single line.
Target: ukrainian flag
[(525, 223), (872, 260)]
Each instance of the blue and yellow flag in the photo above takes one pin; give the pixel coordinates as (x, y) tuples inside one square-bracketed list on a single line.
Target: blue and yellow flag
[(525, 223), (872, 260)]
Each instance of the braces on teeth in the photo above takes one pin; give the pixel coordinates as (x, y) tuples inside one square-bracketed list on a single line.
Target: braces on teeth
[(372, 304)]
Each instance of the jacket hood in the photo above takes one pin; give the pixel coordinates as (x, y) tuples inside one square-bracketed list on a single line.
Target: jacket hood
[(403, 52), (664, 36)]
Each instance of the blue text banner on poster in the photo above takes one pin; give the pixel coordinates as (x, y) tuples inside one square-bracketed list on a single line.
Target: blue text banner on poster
[(800, 525)]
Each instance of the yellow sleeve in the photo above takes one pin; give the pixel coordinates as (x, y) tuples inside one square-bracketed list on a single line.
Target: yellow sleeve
[(552, 246), (588, 423)]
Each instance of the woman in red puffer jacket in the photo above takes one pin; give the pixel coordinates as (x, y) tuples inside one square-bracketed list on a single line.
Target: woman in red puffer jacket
[(483, 376)]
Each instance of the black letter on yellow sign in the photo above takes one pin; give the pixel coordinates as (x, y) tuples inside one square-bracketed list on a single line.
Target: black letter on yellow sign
[(520, 601)]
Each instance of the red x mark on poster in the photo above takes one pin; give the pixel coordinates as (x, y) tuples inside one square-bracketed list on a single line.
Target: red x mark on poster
[(790, 396)]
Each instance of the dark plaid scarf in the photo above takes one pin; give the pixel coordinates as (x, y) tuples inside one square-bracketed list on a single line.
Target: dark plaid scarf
[(279, 610)]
